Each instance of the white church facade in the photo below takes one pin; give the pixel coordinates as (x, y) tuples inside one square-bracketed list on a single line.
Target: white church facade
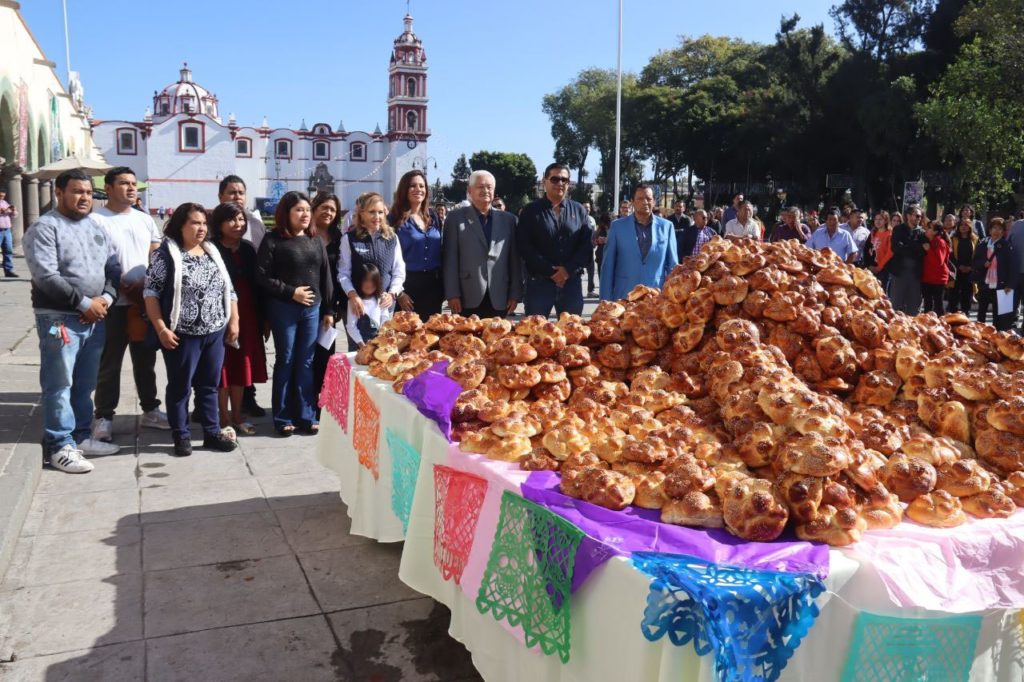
[(182, 148)]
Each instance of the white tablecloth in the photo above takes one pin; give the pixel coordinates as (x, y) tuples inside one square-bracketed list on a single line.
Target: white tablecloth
[(606, 611)]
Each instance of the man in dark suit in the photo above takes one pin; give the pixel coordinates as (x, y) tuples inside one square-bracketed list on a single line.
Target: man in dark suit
[(554, 239), (481, 266), (683, 227)]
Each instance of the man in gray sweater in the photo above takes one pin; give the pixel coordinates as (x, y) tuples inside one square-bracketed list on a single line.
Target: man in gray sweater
[(75, 278)]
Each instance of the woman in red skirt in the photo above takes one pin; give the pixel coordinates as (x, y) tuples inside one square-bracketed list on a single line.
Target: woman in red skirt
[(245, 365)]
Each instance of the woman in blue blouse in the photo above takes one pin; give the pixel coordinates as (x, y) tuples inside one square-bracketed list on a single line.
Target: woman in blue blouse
[(419, 233)]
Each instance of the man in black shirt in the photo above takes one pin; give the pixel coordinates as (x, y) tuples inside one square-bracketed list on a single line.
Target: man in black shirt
[(554, 238)]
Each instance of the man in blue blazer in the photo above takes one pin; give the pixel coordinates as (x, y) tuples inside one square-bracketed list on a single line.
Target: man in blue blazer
[(641, 249)]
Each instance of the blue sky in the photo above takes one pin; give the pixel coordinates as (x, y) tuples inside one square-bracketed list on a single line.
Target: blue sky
[(326, 60)]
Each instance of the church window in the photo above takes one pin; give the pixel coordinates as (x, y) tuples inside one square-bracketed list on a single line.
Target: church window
[(191, 137), (243, 147), (126, 139), (165, 107), (283, 149), (410, 120), (321, 150), (357, 151), (410, 87)]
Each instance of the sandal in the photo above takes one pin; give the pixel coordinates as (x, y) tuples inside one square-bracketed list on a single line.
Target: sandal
[(245, 428), (286, 431), (228, 432), (312, 429)]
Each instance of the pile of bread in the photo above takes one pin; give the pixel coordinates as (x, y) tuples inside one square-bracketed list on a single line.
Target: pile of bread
[(765, 384)]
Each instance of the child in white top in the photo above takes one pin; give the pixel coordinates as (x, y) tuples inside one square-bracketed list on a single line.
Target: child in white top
[(363, 329)]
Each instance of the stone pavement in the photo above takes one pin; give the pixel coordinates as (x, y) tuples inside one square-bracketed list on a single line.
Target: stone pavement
[(233, 566)]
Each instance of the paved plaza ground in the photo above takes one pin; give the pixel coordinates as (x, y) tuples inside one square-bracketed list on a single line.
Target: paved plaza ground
[(218, 566)]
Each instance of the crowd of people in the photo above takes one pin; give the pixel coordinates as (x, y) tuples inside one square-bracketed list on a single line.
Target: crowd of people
[(209, 289)]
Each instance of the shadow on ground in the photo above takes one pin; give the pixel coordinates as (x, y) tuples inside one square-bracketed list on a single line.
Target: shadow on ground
[(267, 588)]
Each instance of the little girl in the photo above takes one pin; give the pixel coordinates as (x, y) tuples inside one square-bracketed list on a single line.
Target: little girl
[(364, 328)]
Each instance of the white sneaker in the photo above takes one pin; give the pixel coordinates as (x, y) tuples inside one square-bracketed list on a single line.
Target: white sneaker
[(155, 419), (91, 446), (70, 460), (103, 430)]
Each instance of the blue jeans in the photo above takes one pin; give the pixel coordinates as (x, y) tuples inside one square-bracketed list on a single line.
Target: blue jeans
[(195, 364), (542, 295), (67, 377), (295, 328), (7, 247)]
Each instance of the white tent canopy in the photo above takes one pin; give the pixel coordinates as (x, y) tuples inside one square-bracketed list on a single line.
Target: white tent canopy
[(52, 170)]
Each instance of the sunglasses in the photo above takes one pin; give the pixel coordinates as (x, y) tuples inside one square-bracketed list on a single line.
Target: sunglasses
[(558, 180)]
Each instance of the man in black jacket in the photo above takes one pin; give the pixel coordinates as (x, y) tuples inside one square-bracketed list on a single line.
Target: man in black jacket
[(554, 239)]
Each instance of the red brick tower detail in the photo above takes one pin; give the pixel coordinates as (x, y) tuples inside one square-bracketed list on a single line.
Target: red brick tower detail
[(407, 88)]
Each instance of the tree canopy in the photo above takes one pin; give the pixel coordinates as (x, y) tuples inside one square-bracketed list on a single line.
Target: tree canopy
[(905, 89)]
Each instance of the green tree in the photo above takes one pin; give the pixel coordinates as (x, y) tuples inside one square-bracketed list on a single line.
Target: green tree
[(460, 179), (975, 109), (881, 28), (582, 117), (515, 175)]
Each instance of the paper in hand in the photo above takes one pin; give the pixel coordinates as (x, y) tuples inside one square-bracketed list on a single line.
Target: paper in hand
[(327, 337), (1004, 302)]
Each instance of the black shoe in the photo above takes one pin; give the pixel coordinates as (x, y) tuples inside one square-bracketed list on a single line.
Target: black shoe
[(252, 409), (182, 447), (219, 442), (10, 273)]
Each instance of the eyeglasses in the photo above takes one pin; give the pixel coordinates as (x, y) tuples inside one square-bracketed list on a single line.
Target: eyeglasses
[(558, 180)]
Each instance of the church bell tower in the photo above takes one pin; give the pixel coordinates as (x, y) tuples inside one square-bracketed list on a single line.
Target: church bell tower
[(407, 88)]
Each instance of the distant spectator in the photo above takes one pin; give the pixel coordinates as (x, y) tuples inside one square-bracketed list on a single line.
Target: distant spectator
[(935, 269), (705, 232), (732, 211), (791, 227), (6, 240), (967, 214), (624, 208), (600, 239), (743, 225), (908, 242), (326, 221), (840, 242), (996, 267), (962, 247), (878, 250), (715, 223), (590, 265), (858, 230)]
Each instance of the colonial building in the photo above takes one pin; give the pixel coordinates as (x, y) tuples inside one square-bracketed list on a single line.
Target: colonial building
[(40, 121), (183, 147)]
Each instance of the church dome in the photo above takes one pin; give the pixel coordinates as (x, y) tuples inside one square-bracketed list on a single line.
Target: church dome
[(184, 97)]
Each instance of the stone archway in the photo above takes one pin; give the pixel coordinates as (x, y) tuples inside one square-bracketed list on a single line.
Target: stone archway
[(42, 148), (7, 129)]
